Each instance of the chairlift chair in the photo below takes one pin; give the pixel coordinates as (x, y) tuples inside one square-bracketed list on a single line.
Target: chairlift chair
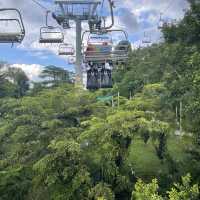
[(72, 60), (99, 48), (146, 39), (121, 50), (160, 25), (66, 49), (161, 22), (51, 34), (116, 54), (12, 36)]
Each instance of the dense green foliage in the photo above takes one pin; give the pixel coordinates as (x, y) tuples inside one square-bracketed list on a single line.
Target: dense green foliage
[(58, 142), (13, 81)]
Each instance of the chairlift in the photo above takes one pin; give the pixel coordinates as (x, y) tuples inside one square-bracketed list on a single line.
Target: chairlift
[(66, 50), (71, 60), (16, 32), (146, 39), (99, 48), (103, 50), (51, 34), (62, 21), (120, 53), (121, 50), (161, 22)]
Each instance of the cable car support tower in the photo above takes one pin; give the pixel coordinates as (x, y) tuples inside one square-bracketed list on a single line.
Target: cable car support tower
[(77, 11)]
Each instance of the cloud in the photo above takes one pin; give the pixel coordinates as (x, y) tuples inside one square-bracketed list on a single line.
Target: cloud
[(127, 19), (32, 71)]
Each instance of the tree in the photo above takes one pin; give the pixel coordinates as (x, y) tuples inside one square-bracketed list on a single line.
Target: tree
[(146, 191), (20, 79), (182, 191), (63, 172), (54, 75), (185, 190), (187, 31), (14, 81), (101, 191)]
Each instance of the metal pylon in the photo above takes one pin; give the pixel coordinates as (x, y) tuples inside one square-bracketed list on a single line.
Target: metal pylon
[(67, 12)]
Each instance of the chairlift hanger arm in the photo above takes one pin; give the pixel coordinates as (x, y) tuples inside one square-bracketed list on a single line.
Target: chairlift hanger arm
[(83, 35), (20, 16), (47, 15), (112, 15), (40, 5), (93, 11), (62, 8), (119, 30), (111, 5)]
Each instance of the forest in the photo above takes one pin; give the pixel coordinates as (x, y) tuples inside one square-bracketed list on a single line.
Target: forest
[(61, 142)]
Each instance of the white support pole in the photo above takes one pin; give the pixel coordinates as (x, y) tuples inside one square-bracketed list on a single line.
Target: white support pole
[(118, 99), (176, 115), (181, 109)]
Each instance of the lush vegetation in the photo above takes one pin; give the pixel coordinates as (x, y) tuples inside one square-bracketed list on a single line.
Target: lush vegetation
[(59, 142)]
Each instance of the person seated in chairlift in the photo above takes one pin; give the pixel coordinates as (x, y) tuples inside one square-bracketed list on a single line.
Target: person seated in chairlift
[(106, 78), (91, 65), (92, 78)]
